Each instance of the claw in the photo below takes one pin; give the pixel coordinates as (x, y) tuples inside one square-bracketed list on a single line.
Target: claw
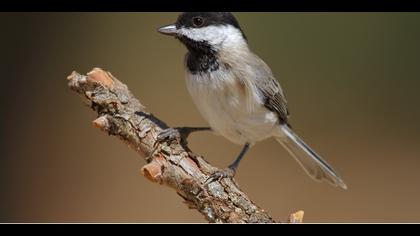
[(168, 135), (220, 174), (180, 133)]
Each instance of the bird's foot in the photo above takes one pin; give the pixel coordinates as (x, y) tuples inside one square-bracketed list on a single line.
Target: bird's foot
[(171, 134), (179, 133), (220, 174)]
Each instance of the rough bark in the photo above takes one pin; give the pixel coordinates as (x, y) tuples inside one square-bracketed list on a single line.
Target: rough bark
[(172, 164)]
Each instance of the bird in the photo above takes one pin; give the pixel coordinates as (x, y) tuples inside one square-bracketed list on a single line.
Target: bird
[(236, 92)]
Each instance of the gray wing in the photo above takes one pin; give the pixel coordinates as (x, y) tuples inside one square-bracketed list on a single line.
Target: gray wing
[(273, 97)]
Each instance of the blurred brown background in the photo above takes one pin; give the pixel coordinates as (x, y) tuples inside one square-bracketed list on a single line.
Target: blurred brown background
[(352, 82)]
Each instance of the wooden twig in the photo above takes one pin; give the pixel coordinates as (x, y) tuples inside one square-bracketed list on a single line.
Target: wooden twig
[(296, 217), (172, 164)]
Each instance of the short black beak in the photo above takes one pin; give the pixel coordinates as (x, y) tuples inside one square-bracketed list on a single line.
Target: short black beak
[(168, 30)]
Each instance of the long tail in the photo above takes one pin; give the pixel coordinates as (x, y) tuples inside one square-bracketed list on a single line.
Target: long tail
[(311, 162)]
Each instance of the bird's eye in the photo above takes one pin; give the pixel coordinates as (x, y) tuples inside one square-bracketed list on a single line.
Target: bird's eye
[(198, 21)]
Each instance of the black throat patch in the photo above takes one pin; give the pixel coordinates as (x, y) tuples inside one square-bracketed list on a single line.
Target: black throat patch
[(201, 57)]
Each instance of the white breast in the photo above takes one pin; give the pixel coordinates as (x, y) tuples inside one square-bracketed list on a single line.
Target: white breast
[(228, 108)]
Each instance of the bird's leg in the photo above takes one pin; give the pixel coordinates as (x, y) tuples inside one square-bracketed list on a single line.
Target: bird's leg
[(231, 170), (180, 133)]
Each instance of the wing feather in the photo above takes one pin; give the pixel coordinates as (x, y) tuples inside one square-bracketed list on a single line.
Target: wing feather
[(271, 92)]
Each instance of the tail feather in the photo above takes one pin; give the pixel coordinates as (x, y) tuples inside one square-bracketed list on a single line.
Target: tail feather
[(311, 162)]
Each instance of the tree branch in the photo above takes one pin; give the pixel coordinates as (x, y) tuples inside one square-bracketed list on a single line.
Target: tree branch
[(172, 164)]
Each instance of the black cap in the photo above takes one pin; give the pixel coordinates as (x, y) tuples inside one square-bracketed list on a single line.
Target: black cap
[(187, 20)]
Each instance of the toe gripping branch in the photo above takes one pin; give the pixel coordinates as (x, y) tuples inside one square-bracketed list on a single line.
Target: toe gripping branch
[(179, 133)]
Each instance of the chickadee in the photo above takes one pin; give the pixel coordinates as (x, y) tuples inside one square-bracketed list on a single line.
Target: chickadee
[(236, 92)]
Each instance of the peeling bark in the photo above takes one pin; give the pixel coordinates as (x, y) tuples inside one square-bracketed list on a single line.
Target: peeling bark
[(172, 164)]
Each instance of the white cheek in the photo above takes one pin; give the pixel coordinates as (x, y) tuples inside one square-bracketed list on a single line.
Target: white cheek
[(211, 34), (217, 36)]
